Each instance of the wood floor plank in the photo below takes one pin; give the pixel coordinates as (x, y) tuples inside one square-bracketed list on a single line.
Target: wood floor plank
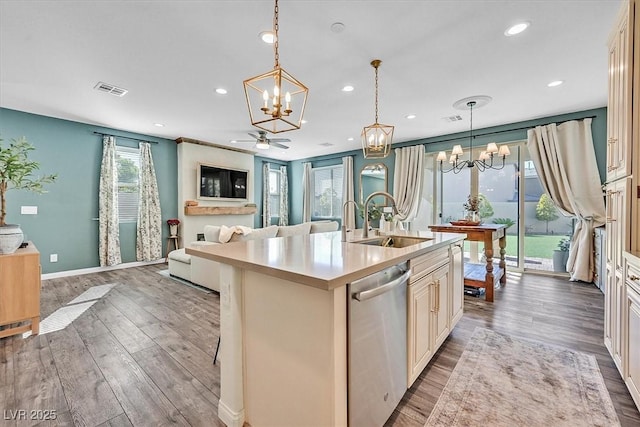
[(127, 333), (90, 399), (186, 393), (119, 421), (192, 358), (203, 338), (142, 401), (37, 387)]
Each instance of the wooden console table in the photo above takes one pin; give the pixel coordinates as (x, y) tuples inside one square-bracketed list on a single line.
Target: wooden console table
[(20, 290), (487, 233)]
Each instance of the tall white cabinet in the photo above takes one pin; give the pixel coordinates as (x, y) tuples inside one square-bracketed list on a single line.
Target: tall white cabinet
[(622, 192)]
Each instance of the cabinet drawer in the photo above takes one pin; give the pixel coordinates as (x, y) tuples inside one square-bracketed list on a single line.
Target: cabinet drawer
[(633, 276), (425, 264)]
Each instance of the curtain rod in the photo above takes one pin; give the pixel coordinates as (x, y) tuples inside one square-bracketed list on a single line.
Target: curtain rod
[(280, 162), (507, 130), (125, 137), (317, 159)]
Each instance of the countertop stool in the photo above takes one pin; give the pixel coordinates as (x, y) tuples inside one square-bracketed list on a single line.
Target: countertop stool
[(172, 241)]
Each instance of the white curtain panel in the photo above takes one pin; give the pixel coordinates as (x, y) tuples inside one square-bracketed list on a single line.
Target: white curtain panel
[(284, 197), (109, 234), (149, 227), (266, 199), (307, 191), (407, 181), (566, 163), (348, 193)]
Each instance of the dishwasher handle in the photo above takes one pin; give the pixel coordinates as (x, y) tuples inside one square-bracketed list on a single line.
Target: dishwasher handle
[(365, 295)]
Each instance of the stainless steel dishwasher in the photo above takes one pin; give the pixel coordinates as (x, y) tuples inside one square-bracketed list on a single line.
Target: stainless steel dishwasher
[(377, 345)]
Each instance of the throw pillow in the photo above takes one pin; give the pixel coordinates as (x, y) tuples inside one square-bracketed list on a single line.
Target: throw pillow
[(212, 233), (293, 230), (256, 233)]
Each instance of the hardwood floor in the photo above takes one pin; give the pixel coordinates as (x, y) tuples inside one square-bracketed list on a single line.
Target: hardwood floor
[(142, 354)]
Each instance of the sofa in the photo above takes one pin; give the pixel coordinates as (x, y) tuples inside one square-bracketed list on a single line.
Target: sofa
[(205, 272)]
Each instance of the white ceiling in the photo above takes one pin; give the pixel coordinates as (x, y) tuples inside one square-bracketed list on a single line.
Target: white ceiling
[(172, 55)]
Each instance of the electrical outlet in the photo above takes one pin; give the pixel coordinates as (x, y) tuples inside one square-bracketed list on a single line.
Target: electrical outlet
[(29, 210), (53, 258)]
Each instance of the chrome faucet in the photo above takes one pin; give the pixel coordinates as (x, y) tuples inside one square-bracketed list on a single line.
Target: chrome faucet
[(344, 215), (365, 228)]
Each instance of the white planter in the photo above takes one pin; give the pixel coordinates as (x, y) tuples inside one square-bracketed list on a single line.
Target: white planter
[(10, 238), (173, 230)]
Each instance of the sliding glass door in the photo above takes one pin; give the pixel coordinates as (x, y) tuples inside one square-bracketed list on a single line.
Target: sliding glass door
[(513, 196)]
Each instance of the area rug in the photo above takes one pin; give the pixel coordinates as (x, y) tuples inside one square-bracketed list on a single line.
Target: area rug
[(501, 380), (165, 273)]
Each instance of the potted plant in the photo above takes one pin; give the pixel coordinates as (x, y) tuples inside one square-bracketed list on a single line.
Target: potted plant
[(374, 213), (561, 256), (16, 172)]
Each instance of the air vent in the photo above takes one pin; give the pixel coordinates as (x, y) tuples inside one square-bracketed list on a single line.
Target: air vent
[(326, 144), (455, 118), (113, 90)]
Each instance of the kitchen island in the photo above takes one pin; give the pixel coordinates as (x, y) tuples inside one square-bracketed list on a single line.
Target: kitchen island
[(283, 320)]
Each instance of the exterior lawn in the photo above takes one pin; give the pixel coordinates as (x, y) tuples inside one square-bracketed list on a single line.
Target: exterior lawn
[(535, 245)]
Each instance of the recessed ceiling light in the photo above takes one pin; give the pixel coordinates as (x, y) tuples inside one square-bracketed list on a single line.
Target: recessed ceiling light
[(221, 91), (410, 116), (233, 141), (350, 139), (347, 88), (160, 125), (517, 28), (267, 37), (555, 83), (337, 27), (303, 121)]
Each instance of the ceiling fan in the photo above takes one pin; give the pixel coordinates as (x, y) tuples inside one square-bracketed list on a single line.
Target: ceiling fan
[(262, 142)]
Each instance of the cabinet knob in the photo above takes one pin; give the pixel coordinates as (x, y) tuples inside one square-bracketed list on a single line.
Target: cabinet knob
[(634, 277)]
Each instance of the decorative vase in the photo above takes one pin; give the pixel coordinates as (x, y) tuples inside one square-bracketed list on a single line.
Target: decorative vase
[(472, 216), (173, 230), (11, 238)]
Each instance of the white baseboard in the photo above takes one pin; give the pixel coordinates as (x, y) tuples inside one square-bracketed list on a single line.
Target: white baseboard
[(90, 270), (229, 417)]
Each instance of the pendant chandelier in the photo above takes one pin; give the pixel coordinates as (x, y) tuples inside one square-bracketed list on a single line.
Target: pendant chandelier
[(485, 159), (376, 138), (276, 100)]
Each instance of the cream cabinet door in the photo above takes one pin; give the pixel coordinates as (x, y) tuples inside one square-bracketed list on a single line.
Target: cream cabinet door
[(419, 316), (619, 101), (440, 310), (632, 359)]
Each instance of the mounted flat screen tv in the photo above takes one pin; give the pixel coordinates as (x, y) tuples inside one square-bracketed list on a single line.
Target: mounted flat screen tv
[(221, 183)]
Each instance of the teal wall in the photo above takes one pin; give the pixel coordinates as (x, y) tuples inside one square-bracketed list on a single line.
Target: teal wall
[(499, 134), (64, 224)]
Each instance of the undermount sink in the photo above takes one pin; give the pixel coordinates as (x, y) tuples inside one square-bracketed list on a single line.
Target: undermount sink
[(394, 241)]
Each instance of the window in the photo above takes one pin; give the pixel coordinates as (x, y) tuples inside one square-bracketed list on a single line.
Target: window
[(327, 195), (274, 193), (128, 163)]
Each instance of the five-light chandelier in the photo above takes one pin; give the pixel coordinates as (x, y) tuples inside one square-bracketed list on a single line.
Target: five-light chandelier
[(485, 159), (276, 100), (376, 138)]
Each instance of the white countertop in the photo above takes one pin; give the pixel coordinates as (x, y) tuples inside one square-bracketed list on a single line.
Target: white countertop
[(320, 260)]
